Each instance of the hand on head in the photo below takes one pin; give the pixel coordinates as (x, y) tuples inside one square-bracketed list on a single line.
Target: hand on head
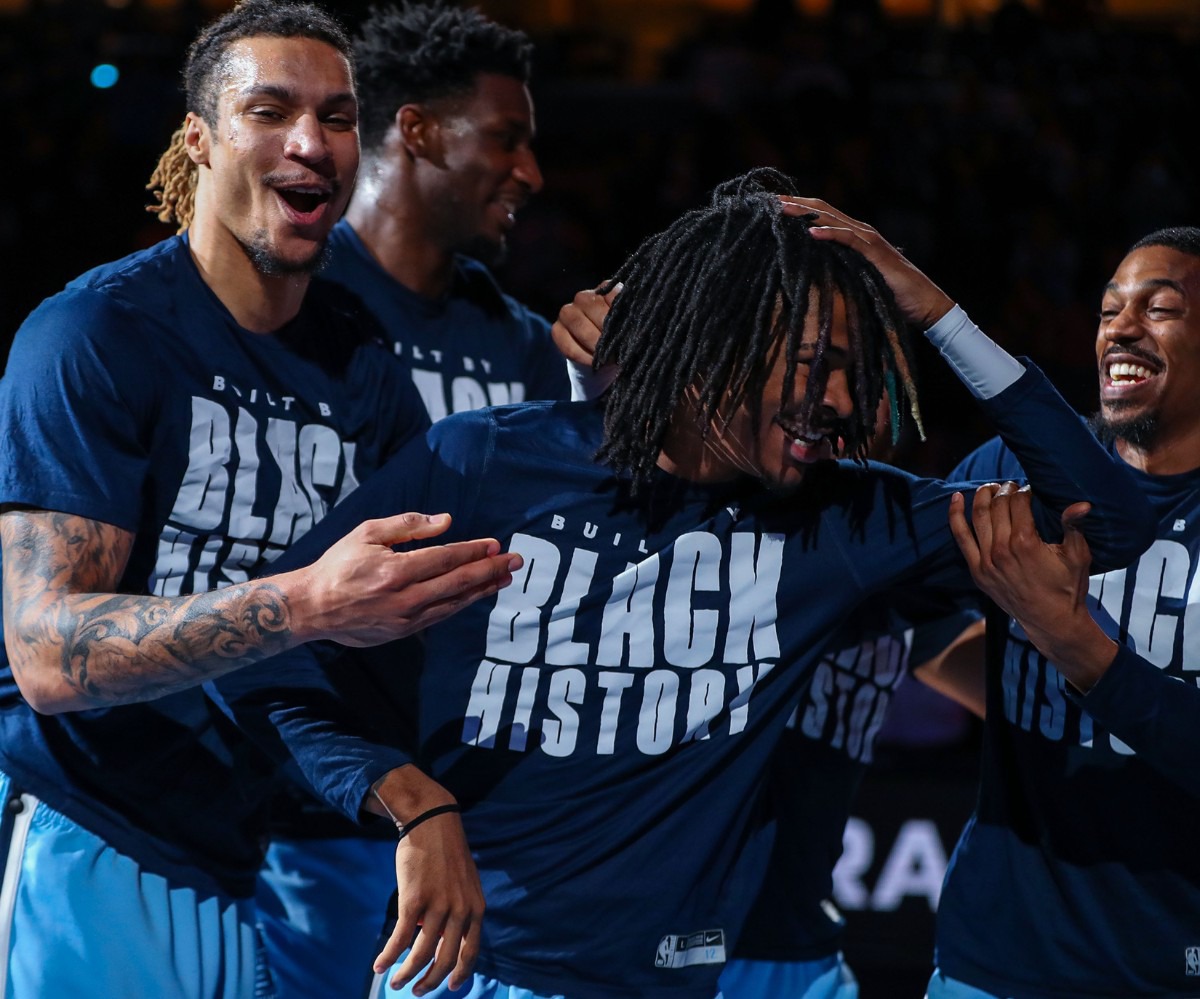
[(922, 301)]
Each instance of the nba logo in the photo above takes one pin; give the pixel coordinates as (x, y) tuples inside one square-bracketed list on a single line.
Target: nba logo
[(1191, 959)]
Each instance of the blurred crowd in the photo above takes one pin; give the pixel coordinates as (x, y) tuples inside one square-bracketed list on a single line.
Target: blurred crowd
[(1013, 158)]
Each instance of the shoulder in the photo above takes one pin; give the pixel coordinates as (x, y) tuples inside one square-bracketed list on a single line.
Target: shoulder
[(477, 283), (527, 433), (149, 280), (110, 311), (991, 460)]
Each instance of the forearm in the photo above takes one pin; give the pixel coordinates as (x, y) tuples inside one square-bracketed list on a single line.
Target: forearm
[(404, 793), (1152, 712), (73, 651)]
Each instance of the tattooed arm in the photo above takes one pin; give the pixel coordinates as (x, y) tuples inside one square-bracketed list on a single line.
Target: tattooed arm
[(74, 643)]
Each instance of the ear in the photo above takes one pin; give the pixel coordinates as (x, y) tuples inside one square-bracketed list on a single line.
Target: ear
[(197, 138), (418, 131)]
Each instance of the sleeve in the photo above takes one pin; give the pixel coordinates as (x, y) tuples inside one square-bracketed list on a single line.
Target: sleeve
[(75, 405), (1152, 712), (289, 704), (545, 368), (1064, 463)]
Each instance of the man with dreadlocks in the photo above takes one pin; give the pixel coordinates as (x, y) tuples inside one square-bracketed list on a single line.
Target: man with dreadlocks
[(168, 424), (446, 126), (689, 549)]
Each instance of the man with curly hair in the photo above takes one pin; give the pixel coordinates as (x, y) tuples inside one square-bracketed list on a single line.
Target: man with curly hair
[(169, 423)]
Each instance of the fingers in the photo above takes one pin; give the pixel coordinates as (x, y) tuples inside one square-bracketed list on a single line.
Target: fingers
[(962, 533), (579, 324), (1075, 547), (396, 945), (467, 954), (403, 527), (827, 214)]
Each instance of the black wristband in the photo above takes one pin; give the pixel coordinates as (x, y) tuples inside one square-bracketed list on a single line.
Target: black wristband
[(412, 824)]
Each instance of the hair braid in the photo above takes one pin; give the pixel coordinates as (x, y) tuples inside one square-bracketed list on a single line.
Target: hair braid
[(173, 183)]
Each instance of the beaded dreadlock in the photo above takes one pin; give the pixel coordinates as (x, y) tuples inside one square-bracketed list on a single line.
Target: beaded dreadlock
[(174, 179), (709, 301)]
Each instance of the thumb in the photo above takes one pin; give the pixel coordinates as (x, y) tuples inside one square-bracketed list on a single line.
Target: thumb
[(1075, 546), (405, 527)]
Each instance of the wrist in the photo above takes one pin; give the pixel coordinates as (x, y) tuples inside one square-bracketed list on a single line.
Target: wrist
[(935, 309), (1083, 654), (406, 794)]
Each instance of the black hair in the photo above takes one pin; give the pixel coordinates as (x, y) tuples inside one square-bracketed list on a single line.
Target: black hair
[(252, 19), (419, 52), (1184, 238), (711, 301), (173, 182)]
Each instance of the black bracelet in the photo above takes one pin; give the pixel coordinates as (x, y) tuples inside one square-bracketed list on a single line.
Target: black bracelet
[(412, 824)]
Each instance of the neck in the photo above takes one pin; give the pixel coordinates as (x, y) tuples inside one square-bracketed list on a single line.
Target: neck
[(1171, 454), (689, 454), (258, 302), (392, 220)]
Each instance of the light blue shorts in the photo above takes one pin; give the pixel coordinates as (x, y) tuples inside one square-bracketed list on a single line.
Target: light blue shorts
[(80, 920), (479, 987), (941, 987), (321, 906), (825, 978)]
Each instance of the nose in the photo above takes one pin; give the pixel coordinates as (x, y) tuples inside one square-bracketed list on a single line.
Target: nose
[(526, 170), (1123, 325), (837, 394), (306, 140)]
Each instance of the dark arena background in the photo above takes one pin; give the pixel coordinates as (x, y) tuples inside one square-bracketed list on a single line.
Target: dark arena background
[(1013, 148)]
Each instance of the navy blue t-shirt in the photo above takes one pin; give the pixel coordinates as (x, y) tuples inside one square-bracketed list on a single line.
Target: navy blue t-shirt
[(820, 763), (605, 721), (1078, 875), (134, 398), (473, 347)]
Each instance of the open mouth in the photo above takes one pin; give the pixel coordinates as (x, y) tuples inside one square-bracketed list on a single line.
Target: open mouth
[(807, 444), (306, 204), (1129, 373)]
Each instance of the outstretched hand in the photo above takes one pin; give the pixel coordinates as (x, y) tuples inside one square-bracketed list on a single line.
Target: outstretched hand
[(1043, 586), (922, 301), (361, 592)]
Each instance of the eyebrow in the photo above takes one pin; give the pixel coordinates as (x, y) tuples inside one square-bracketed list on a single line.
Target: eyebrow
[(282, 93), (1150, 283), (830, 349)]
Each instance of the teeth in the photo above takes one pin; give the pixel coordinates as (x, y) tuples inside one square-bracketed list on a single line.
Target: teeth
[(1128, 372)]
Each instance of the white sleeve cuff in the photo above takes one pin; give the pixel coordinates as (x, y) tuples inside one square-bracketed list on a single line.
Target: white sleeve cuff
[(985, 367)]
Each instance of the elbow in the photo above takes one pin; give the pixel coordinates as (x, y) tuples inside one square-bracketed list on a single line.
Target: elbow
[(44, 690), (46, 700), (1119, 552)]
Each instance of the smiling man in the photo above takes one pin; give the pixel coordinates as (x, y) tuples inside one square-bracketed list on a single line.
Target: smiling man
[(447, 125), (447, 133), (689, 550), (169, 424), (1081, 854)]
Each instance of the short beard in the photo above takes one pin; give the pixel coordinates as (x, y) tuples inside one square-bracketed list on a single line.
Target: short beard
[(1140, 431), (487, 252), (270, 264)]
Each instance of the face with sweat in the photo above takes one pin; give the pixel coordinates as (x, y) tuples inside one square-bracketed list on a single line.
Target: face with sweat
[(1148, 347), (483, 170), (778, 447), (283, 151)]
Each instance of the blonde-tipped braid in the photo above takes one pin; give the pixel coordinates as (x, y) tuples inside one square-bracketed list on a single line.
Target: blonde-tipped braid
[(174, 183)]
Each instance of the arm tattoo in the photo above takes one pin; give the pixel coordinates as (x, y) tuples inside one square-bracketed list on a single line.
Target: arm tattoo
[(60, 573)]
